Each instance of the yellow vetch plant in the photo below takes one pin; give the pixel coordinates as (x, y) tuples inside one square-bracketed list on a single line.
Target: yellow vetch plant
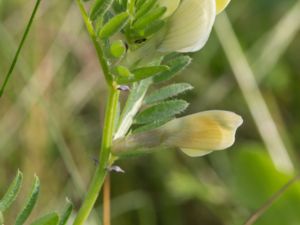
[(151, 34)]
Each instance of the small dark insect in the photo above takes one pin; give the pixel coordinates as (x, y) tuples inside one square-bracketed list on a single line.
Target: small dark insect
[(140, 41), (126, 46)]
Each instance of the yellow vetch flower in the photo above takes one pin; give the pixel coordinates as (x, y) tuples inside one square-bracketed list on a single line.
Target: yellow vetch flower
[(196, 135), (190, 25)]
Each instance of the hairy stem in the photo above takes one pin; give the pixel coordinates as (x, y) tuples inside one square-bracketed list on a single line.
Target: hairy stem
[(108, 127), (13, 64), (101, 170)]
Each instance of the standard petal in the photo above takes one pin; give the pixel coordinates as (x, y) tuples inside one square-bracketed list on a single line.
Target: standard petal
[(221, 5), (201, 133), (171, 6), (189, 27)]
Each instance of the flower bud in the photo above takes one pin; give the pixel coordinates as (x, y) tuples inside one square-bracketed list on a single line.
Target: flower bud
[(196, 135)]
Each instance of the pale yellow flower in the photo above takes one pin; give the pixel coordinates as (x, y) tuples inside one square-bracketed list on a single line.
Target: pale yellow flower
[(196, 135), (189, 27)]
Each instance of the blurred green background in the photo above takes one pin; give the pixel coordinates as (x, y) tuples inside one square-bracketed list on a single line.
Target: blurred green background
[(52, 111)]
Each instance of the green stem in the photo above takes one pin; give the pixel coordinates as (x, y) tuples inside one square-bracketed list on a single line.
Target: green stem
[(108, 127), (93, 36), (101, 170), (13, 64)]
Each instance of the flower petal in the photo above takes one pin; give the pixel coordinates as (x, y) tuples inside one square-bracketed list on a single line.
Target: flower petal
[(189, 27), (201, 133), (221, 5)]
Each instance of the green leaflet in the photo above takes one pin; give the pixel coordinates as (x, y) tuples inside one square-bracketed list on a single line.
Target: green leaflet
[(141, 73), (176, 65), (163, 111), (66, 213), (30, 203), (151, 126), (114, 25), (149, 18), (120, 5), (99, 8), (148, 71), (139, 3), (49, 219), (167, 92), (12, 192), (146, 7), (152, 28)]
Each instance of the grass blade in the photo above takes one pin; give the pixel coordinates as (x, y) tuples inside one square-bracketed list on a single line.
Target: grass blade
[(8, 75)]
